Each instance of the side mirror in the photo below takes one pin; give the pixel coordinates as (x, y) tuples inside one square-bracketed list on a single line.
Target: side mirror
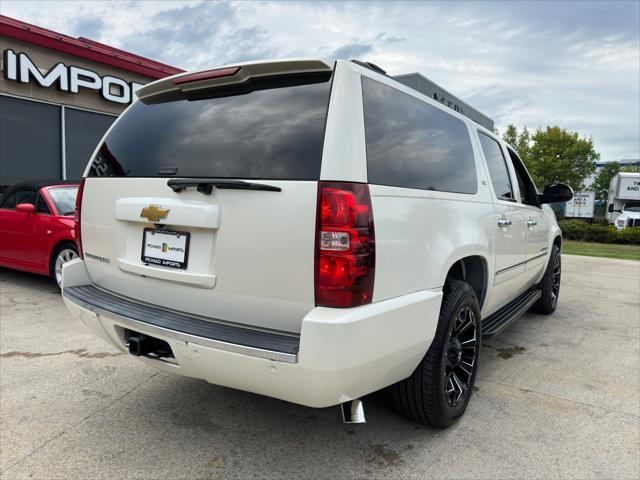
[(557, 192), (27, 208)]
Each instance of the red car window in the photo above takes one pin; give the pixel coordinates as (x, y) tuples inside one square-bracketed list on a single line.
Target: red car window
[(41, 205), (20, 196)]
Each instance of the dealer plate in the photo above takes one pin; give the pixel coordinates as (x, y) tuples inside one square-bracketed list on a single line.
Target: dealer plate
[(165, 248)]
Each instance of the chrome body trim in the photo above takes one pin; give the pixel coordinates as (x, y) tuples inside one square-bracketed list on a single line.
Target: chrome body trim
[(504, 270)]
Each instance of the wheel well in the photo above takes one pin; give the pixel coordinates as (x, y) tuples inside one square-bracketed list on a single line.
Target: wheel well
[(57, 246), (472, 270), (558, 241)]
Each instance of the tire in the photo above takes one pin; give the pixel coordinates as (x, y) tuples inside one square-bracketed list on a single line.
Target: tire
[(425, 396), (550, 285), (64, 252)]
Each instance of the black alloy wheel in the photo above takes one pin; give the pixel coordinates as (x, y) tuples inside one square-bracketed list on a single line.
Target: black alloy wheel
[(550, 284), (460, 356), (555, 280), (439, 389)]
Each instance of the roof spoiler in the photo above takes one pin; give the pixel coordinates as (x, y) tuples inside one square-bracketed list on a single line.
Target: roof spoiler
[(230, 75), (370, 66)]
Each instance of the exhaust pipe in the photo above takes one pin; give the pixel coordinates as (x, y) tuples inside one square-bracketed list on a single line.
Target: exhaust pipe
[(353, 411)]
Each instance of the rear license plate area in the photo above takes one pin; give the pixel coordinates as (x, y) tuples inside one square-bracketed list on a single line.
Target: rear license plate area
[(165, 248)]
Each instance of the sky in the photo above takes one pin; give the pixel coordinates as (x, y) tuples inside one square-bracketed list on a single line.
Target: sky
[(574, 64)]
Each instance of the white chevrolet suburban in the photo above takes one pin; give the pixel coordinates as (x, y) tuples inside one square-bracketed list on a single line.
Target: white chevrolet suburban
[(313, 231)]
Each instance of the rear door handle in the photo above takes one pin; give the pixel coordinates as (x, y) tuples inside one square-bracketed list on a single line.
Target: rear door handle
[(504, 222), (531, 223)]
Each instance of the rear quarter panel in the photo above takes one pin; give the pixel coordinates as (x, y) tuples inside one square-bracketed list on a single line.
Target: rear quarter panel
[(420, 234)]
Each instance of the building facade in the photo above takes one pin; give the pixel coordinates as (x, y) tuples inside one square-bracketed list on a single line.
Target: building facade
[(58, 95)]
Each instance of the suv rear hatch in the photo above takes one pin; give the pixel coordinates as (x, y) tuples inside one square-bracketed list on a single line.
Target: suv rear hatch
[(202, 197)]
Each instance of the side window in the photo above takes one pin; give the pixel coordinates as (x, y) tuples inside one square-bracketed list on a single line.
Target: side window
[(497, 165), (19, 196), (521, 187), (26, 196), (10, 201), (413, 144), (41, 205), (528, 191)]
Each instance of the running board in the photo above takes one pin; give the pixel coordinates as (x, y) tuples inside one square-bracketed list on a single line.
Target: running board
[(500, 320)]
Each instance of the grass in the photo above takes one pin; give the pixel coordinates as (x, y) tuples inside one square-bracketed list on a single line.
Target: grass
[(609, 250)]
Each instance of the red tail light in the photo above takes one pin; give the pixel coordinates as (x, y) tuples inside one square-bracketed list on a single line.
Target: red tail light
[(76, 218), (345, 245)]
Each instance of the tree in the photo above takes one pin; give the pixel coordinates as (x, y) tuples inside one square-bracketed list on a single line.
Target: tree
[(521, 142), (558, 155), (603, 179), (524, 145), (511, 135), (604, 176), (554, 155)]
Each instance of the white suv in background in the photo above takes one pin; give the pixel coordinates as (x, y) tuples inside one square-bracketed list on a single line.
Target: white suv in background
[(629, 215), (313, 231)]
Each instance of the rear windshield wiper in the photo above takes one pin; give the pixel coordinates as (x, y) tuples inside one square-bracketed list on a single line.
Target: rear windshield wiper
[(206, 185)]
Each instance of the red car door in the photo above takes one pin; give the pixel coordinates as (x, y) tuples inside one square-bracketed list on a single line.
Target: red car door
[(16, 239), (23, 236), (45, 226)]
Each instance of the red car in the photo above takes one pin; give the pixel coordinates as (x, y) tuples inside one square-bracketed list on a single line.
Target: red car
[(36, 227)]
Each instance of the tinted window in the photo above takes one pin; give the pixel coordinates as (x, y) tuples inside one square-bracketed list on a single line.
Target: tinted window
[(10, 201), (272, 131), (26, 196), (41, 205), (497, 165), (413, 144), (19, 196), (522, 188), (528, 192)]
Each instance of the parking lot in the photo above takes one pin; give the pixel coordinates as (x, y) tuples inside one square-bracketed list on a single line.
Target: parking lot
[(556, 396)]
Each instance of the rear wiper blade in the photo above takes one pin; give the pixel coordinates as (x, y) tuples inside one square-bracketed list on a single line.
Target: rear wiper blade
[(206, 185)]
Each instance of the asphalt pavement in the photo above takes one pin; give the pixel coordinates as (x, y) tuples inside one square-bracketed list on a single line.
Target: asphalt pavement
[(556, 397)]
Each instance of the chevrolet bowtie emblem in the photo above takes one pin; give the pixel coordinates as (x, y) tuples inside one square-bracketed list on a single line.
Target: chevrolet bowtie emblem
[(154, 213)]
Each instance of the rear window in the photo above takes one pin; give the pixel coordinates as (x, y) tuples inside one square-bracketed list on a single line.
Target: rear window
[(272, 129), (413, 144)]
